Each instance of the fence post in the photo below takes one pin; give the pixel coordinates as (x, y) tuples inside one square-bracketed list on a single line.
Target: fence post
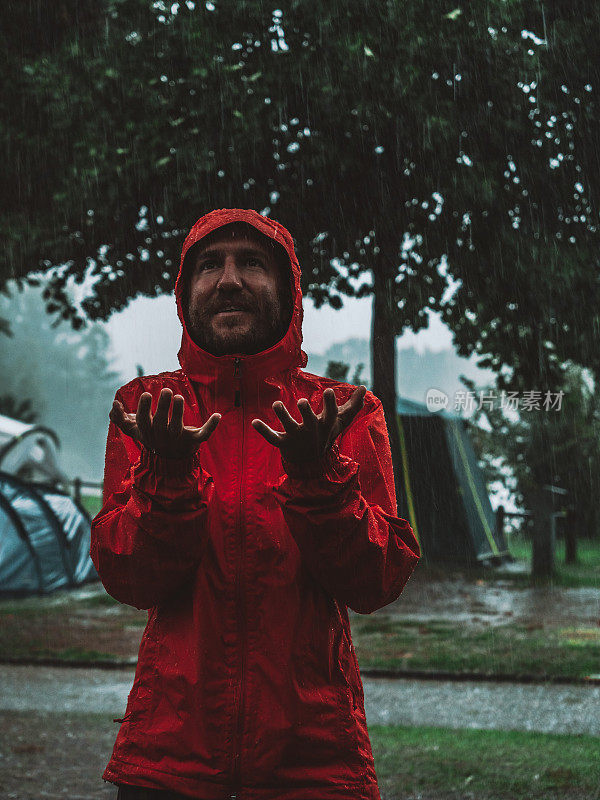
[(77, 490), (542, 555), (500, 516), (571, 536)]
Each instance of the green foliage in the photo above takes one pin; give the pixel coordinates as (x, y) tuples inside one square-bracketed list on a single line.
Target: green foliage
[(64, 375), (554, 446), (338, 370), (356, 125)]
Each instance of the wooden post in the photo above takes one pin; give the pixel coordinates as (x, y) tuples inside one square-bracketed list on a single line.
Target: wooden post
[(542, 554), (500, 516), (571, 536), (544, 530)]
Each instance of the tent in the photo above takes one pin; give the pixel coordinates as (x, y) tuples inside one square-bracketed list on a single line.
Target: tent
[(44, 539), (29, 451), (443, 494)]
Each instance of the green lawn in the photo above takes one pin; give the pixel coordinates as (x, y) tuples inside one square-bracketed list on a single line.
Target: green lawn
[(91, 504), (485, 765), (392, 643)]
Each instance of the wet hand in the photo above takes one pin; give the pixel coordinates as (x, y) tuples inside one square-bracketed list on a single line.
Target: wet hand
[(310, 439), (164, 432)]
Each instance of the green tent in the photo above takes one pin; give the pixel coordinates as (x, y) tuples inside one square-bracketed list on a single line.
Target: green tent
[(443, 495)]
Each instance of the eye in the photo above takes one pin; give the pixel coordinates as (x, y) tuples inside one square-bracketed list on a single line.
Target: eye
[(204, 265), (254, 262)]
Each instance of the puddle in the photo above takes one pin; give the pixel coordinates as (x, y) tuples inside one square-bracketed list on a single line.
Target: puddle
[(497, 604)]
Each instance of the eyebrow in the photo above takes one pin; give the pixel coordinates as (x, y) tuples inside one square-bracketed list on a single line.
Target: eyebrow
[(246, 251)]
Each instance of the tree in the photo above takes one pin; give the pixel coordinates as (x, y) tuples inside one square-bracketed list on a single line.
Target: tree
[(64, 375), (338, 370), (571, 425), (386, 136)]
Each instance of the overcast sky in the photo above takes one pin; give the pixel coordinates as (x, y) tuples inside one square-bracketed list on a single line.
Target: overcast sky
[(148, 332)]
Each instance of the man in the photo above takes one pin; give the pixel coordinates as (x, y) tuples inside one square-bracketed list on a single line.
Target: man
[(247, 504)]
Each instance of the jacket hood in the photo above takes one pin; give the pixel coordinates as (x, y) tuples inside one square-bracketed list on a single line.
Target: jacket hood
[(285, 354)]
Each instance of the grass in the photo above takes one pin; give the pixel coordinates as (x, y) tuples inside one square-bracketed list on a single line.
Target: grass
[(68, 655), (94, 625), (482, 764), (411, 762), (585, 573), (69, 627), (91, 504), (386, 642)]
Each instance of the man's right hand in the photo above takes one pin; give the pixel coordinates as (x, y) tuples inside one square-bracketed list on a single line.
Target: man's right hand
[(163, 433)]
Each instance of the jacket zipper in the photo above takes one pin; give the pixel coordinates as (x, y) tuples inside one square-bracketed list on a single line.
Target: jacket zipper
[(236, 374), (239, 593)]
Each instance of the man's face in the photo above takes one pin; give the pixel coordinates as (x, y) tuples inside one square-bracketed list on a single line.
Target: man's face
[(233, 270)]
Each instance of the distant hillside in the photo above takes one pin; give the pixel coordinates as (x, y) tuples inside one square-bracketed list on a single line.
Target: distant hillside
[(416, 372)]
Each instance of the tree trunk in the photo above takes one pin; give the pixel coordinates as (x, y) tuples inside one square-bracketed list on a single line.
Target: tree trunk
[(542, 562), (383, 360)]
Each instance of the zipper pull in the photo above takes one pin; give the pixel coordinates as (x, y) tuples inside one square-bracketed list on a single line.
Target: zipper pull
[(236, 374)]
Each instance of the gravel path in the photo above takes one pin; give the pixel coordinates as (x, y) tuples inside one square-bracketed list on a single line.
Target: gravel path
[(549, 709)]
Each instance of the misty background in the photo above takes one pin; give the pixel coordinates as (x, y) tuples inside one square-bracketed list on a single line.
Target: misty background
[(69, 378)]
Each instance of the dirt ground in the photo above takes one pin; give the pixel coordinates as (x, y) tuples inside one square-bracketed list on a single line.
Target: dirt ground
[(55, 756)]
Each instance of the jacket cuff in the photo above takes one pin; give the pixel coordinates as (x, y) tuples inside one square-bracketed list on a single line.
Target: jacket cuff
[(166, 467), (327, 466)]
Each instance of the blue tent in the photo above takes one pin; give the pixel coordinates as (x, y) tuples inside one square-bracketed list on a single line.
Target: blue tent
[(44, 539)]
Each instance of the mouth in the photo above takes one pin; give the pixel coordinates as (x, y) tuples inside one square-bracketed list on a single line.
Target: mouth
[(232, 311)]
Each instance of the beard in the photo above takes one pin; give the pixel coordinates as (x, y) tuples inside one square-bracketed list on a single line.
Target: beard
[(249, 333)]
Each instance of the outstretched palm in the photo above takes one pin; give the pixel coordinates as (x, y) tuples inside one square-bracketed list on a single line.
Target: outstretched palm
[(310, 439), (164, 432)]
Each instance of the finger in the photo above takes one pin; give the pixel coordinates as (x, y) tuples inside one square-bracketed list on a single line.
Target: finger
[(308, 415), (142, 416), (125, 422), (206, 431), (351, 408), (273, 437), (289, 423), (330, 407), (209, 426), (161, 416), (175, 425)]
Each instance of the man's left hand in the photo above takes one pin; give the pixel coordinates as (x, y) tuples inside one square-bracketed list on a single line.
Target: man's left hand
[(310, 439)]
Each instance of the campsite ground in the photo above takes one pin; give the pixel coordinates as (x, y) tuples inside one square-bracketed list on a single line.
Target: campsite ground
[(57, 756), (481, 621), (485, 621)]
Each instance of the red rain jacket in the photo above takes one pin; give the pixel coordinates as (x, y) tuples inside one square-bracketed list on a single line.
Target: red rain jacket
[(247, 683)]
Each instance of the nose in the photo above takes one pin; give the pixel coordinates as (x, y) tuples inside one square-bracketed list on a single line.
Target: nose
[(230, 277)]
